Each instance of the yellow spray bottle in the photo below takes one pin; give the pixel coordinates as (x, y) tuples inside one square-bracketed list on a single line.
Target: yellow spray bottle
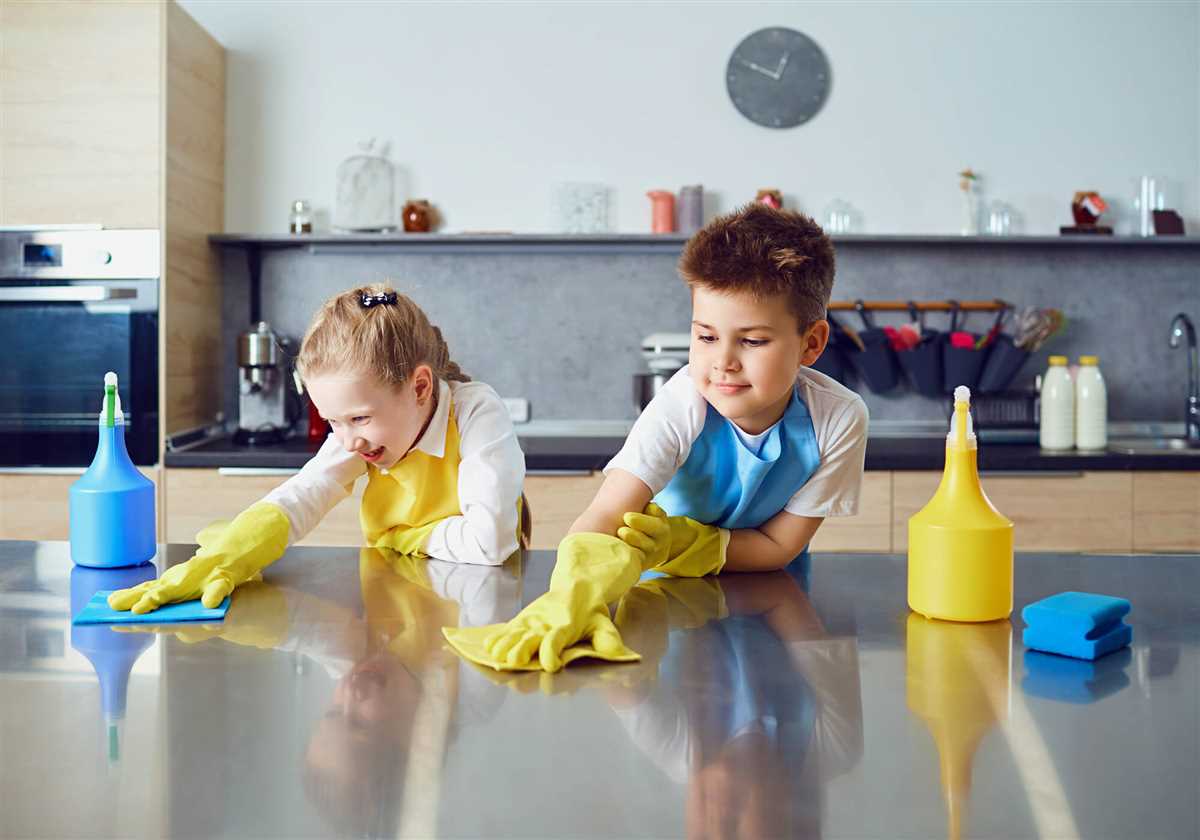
[(958, 679), (960, 548)]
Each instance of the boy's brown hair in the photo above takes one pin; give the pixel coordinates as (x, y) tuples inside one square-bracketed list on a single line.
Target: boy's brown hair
[(764, 252)]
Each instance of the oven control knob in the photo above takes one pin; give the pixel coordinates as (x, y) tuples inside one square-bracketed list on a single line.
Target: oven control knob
[(104, 257)]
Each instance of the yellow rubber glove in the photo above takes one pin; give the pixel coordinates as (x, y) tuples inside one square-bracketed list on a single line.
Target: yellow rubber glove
[(228, 556), (570, 621), (676, 545), (406, 540)]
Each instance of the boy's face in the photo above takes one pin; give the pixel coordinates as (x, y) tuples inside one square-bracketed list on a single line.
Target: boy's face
[(745, 354), (378, 423)]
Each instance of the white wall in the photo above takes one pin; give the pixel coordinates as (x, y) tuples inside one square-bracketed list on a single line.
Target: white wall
[(489, 104)]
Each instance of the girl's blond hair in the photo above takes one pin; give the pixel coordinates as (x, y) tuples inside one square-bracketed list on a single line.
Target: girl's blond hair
[(386, 340)]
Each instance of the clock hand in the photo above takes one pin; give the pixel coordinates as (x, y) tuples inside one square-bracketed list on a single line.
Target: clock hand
[(758, 69), (778, 74)]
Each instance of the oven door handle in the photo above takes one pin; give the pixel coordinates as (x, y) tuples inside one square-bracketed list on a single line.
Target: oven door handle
[(62, 294)]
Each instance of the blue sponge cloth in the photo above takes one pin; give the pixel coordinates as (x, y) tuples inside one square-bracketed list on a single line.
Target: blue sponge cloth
[(1078, 624)]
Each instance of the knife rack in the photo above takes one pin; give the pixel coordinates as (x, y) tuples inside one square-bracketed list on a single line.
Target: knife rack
[(920, 306)]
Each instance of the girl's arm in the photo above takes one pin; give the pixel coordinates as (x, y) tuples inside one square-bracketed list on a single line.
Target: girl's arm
[(490, 477), (325, 480)]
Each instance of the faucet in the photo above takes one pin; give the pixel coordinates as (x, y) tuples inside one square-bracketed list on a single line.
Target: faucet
[(1181, 327)]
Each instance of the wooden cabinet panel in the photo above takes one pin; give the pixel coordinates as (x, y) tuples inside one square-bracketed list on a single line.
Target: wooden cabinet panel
[(1072, 512), (194, 207), (80, 113), (1166, 511), (555, 501), (195, 498), (871, 529), (34, 506)]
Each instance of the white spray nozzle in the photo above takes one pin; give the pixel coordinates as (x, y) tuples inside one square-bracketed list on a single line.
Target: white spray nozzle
[(962, 395), (110, 380)]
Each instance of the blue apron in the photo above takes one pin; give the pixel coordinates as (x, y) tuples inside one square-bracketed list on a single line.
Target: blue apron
[(759, 687), (724, 483)]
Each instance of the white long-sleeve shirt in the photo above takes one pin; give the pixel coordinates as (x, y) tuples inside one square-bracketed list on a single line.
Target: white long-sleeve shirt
[(491, 474)]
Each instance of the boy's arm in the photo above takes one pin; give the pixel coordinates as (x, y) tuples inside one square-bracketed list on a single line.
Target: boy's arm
[(621, 492), (772, 546)]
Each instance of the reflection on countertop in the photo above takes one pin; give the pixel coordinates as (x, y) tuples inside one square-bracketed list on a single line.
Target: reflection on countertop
[(800, 703)]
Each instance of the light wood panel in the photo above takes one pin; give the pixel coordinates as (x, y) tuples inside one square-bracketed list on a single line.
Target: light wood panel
[(1090, 512), (871, 529), (1166, 511), (34, 506), (196, 498), (80, 107), (555, 501), (193, 207)]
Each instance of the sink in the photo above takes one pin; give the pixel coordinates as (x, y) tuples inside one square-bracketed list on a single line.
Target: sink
[(1152, 446)]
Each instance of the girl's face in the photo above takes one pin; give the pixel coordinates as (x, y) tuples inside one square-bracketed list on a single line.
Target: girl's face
[(376, 422)]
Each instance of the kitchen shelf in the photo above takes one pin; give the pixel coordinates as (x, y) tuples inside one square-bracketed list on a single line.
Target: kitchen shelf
[(610, 243)]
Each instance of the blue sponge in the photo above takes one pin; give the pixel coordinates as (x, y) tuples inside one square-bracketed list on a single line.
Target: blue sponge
[(1075, 680), (97, 611), (1078, 624)]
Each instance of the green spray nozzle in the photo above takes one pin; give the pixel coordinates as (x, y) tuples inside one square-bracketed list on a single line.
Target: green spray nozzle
[(111, 409)]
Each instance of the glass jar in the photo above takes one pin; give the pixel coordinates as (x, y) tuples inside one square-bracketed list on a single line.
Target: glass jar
[(300, 219)]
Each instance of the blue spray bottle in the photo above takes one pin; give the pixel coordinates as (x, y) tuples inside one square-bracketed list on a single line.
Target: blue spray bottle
[(112, 654), (112, 504)]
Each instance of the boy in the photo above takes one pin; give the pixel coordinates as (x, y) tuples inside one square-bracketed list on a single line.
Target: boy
[(745, 451)]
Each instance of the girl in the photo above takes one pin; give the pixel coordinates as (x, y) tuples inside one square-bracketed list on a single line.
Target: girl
[(444, 469)]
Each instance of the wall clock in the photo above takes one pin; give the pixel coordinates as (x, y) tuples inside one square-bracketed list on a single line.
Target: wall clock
[(778, 77)]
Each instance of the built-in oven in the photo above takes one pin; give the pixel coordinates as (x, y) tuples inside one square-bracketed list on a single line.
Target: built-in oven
[(75, 304)]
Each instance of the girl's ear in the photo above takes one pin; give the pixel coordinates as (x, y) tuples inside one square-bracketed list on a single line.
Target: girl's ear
[(423, 383)]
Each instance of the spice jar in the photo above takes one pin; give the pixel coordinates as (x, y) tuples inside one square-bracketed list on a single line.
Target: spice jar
[(418, 216), (300, 219)]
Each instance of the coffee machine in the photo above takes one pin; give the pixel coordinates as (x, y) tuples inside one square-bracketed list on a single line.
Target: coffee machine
[(266, 403), (665, 354)]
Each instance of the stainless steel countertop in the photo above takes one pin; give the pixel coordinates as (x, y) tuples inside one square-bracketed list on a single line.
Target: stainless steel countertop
[(797, 704)]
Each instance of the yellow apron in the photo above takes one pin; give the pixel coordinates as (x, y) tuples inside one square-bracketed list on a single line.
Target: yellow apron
[(413, 496), (400, 508)]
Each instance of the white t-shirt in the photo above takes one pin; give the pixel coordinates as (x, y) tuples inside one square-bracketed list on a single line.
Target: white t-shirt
[(662, 437)]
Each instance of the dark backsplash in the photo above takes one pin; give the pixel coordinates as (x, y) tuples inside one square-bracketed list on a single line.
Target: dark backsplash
[(562, 329)]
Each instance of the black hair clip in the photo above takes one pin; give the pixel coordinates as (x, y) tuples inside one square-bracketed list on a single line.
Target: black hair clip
[(368, 300)]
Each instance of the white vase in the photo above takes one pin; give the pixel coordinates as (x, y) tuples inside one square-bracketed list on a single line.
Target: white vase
[(970, 222)]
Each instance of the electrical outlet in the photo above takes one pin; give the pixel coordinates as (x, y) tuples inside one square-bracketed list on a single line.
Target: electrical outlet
[(518, 409)]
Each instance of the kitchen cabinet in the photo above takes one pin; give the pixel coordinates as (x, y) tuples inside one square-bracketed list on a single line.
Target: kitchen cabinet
[(114, 114), (555, 501), (1088, 511), (1166, 511), (871, 529), (35, 504), (196, 498)]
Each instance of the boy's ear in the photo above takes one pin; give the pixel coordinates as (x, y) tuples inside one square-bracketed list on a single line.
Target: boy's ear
[(814, 341)]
